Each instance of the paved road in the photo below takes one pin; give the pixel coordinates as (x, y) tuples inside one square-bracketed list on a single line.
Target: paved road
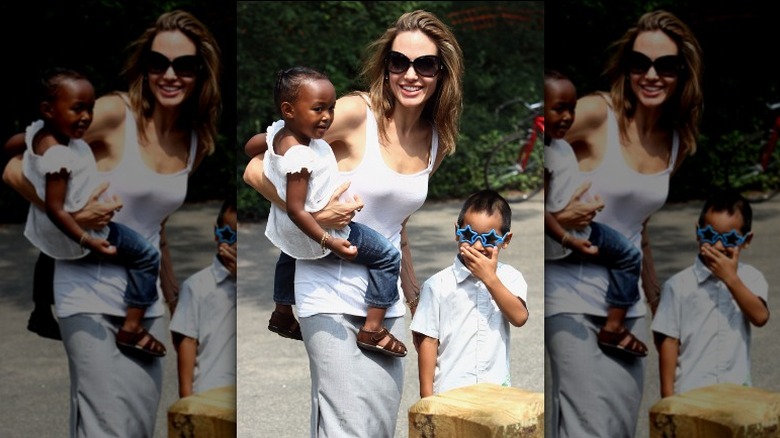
[(273, 373), (34, 381)]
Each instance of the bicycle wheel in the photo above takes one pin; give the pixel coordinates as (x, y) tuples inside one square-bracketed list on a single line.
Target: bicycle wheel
[(505, 174), (754, 183)]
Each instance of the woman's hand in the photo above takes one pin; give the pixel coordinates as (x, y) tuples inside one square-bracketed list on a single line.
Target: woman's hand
[(97, 213), (337, 214), (579, 212)]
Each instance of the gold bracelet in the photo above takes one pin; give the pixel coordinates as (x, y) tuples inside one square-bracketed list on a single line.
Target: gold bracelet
[(83, 239), (324, 239), (414, 302), (565, 239)]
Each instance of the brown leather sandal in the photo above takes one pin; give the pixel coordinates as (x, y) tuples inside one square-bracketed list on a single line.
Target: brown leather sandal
[(285, 326), (369, 340), (142, 342), (615, 342)]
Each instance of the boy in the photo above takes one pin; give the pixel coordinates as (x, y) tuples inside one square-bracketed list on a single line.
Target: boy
[(702, 326), (471, 303), (204, 322), (595, 243)]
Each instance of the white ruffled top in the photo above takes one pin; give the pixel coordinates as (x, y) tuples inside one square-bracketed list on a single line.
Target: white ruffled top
[(324, 179), (77, 159)]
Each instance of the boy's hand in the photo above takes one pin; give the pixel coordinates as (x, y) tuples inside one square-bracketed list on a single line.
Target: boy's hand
[(722, 264), (343, 248), (228, 254), (482, 266), (583, 247), (101, 246)]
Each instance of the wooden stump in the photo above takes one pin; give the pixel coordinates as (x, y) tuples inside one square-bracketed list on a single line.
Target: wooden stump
[(483, 410), (722, 410), (210, 414)]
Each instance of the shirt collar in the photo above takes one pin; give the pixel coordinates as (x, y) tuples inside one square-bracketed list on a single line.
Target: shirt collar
[(219, 270), (701, 271), (460, 270)]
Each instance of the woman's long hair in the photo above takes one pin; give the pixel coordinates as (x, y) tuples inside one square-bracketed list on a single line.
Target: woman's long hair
[(443, 109), (683, 111), (201, 110)]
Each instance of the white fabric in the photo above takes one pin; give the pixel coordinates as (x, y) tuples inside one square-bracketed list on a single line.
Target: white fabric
[(697, 309), (457, 309), (206, 312), (565, 178), (148, 197), (629, 199), (333, 286), (324, 179), (78, 160)]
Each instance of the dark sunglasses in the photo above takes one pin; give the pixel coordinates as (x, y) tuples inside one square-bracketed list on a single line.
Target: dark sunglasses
[(730, 239), (428, 65), (489, 239), (669, 66), (226, 234), (185, 66)]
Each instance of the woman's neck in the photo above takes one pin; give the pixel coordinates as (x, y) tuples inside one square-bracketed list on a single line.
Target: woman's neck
[(166, 122), (647, 121), (405, 120)]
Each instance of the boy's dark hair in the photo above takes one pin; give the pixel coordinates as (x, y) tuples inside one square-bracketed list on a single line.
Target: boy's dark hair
[(730, 201), (51, 80), (288, 83), (229, 204), (490, 202)]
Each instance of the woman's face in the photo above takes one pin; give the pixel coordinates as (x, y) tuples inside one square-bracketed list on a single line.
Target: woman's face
[(409, 88), (170, 87), (651, 88)]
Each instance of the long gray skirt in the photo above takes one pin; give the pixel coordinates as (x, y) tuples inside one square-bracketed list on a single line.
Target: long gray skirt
[(593, 394), (111, 394), (354, 393)]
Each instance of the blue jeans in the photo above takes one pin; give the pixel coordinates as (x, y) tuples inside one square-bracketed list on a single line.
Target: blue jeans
[(375, 252), (142, 261), (623, 261)]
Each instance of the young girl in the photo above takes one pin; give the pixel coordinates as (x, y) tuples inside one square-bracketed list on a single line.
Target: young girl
[(596, 242), (303, 168), (62, 168)]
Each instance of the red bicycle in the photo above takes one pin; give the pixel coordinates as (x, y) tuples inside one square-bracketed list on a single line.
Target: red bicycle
[(760, 181), (514, 167)]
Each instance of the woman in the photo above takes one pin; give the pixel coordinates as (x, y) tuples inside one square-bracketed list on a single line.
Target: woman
[(388, 142), (146, 142), (628, 142)]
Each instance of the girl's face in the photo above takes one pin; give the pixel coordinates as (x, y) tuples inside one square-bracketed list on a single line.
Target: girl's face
[(312, 112), (410, 88), (560, 99), (70, 113), (651, 87), (171, 86)]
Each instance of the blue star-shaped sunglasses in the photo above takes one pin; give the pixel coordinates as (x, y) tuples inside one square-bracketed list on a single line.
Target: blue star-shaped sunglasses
[(730, 239), (489, 239), (225, 234)]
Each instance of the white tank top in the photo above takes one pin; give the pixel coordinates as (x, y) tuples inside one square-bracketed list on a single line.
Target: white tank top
[(334, 286), (629, 198), (148, 198)]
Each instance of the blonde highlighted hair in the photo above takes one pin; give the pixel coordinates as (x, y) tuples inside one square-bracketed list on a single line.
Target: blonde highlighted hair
[(201, 110), (683, 111), (444, 108)]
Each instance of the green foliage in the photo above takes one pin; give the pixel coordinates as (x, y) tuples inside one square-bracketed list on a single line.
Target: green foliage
[(503, 45)]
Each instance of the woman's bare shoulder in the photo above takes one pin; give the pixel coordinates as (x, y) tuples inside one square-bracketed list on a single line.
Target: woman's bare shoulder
[(108, 115), (590, 115), (350, 114)]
